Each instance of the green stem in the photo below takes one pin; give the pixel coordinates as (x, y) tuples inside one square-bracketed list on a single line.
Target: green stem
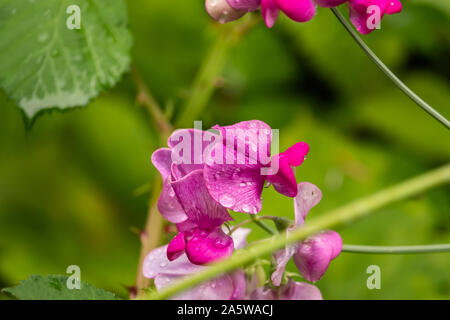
[(397, 249), (211, 69), (254, 219), (334, 218), (403, 87), (262, 225)]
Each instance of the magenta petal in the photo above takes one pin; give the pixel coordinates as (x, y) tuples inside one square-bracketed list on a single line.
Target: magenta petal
[(329, 3), (176, 247), (359, 16), (205, 247), (300, 291), (308, 196), (284, 180), (156, 263), (198, 205), (237, 187), (297, 153), (162, 161), (245, 5), (270, 12), (394, 6), (314, 255), (168, 204), (297, 10), (282, 258), (234, 179)]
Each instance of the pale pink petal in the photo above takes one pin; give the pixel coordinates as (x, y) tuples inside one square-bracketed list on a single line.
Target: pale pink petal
[(263, 293), (176, 247), (244, 5), (313, 256), (240, 237), (168, 204), (300, 291), (207, 246), (270, 12), (162, 161), (221, 288), (198, 205), (297, 10), (239, 285), (156, 263), (308, 196), (282, 258), (221, 11)]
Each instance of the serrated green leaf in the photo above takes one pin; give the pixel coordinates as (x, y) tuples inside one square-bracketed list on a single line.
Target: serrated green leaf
[(44, 64), (54, 287)]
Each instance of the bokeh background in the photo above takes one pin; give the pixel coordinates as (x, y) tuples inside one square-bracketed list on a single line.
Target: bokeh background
[(73, 186)]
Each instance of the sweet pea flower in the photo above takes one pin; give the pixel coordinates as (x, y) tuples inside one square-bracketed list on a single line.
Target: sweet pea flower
[(236, 177), (313, 255), (291, 291), (361, 11), (201, 236), (185, 201), (166, 272), (363, 16), (204, 173)]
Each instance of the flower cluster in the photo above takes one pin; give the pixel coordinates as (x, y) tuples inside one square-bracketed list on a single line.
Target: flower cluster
[(204, 174), (364, 14)]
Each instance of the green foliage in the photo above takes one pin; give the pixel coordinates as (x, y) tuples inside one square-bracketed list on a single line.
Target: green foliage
[(54, 287), (44, 64), (67, 186)]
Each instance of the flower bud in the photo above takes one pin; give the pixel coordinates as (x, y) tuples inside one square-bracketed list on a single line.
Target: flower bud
[(221, 11)]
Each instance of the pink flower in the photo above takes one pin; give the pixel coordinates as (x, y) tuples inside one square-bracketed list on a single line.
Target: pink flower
[(313, 255), (205, 173), (291, 291), (166, 272), (367, 14), (362, 13), (238, 179)]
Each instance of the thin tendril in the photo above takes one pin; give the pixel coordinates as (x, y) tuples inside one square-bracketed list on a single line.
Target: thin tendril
[(397, 249), (403, 87)]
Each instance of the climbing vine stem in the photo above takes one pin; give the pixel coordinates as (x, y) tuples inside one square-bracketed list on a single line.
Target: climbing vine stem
[(403, 87)]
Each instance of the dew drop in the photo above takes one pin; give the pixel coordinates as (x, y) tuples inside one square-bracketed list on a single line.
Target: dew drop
[(227, 201)]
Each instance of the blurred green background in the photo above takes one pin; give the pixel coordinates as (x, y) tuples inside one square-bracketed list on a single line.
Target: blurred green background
[(67, 184)]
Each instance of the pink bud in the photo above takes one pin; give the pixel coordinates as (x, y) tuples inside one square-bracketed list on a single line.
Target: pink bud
[(221, 11), (313, 256)]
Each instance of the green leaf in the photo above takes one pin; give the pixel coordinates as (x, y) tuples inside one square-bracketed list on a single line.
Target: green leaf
[(53, 287), (44, 64)]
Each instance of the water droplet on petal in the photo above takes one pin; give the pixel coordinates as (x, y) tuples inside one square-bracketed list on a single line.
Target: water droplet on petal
[(227, 201)]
